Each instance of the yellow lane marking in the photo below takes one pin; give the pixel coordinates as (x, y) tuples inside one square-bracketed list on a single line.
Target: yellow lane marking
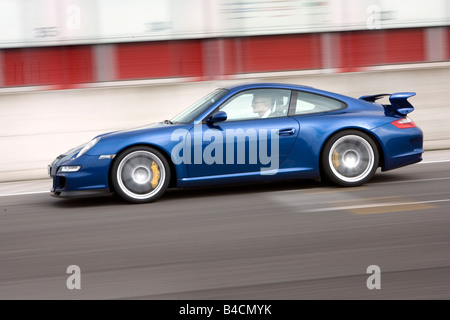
[(382, 207), (370, 200)]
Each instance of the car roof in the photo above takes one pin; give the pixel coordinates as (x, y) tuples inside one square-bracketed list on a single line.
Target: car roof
[(260, 85), (257, 85)]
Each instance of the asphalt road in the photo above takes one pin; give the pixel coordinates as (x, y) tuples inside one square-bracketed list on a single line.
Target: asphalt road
[(291, 240)]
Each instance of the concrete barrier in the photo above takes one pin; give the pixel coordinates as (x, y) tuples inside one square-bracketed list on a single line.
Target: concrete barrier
[(37, 126)]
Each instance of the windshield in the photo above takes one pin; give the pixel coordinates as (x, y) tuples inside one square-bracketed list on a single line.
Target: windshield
[(199, 107)]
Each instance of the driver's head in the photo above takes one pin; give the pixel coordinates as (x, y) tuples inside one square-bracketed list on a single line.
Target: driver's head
[(261, 103)]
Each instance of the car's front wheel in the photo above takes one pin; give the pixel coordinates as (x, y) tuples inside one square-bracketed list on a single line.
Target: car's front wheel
[(140, 174), (350, 158)]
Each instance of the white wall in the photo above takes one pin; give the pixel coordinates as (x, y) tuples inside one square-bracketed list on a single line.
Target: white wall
[(37, 126)]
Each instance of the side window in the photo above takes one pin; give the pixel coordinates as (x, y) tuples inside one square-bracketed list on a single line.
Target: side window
[(314, 103), (256, 104)]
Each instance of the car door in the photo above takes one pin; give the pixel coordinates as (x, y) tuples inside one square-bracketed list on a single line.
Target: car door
[(245, 143)]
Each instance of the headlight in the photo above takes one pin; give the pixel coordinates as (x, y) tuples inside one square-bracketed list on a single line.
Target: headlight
[(69, 168), (87, 147)]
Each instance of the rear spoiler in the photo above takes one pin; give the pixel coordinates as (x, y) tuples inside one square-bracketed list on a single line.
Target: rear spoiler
[(399, 101)]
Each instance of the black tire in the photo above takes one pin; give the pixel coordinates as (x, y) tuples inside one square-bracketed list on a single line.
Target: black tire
[(350, 158), (140, 174)]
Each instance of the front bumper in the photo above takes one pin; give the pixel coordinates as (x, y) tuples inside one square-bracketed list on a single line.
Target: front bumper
[(90, 180), (80, 194)]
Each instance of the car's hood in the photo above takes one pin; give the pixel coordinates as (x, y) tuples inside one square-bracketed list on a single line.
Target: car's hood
[(142, 129), (157, 134)]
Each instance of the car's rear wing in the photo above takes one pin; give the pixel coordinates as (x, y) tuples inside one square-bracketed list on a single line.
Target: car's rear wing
[(399, 101)]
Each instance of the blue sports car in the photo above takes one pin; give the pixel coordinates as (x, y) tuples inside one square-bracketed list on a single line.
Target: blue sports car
[(247, 133)]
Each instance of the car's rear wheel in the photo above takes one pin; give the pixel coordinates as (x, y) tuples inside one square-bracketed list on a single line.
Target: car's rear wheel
[(350, 158), (140, 174)]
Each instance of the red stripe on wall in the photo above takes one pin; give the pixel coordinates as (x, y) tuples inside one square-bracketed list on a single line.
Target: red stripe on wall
[(13, 67), (186, 58), (358, 49), (47, 66), (78, 64), (377, 47), (66, 66), (282, 52), (32, 66), (159, 59), (142, 60), (404, 45)]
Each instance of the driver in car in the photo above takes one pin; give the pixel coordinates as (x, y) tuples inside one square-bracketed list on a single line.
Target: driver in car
[(262, 104)]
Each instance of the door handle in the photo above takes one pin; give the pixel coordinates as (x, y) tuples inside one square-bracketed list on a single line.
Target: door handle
[(286, 132)]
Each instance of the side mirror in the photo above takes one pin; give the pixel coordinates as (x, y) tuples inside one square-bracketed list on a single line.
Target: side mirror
[(217, 117)]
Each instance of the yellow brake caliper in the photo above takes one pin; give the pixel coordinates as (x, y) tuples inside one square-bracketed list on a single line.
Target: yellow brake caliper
[(336, 162), (155, 170)]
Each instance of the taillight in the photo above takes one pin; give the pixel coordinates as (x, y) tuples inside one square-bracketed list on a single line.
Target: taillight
[(404, 123)]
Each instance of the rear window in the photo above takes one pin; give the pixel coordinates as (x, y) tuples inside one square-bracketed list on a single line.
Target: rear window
[(314, 103)]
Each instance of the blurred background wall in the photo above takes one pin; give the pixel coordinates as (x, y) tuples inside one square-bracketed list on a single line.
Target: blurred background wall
[(70, 69)]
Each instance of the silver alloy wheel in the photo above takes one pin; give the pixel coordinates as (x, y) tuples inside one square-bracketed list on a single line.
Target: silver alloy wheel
[(351, 158), (141, 174)]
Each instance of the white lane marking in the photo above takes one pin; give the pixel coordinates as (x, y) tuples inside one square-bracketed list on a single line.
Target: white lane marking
[(415, 180), (433, 161), (23, 193), (375, 205)]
